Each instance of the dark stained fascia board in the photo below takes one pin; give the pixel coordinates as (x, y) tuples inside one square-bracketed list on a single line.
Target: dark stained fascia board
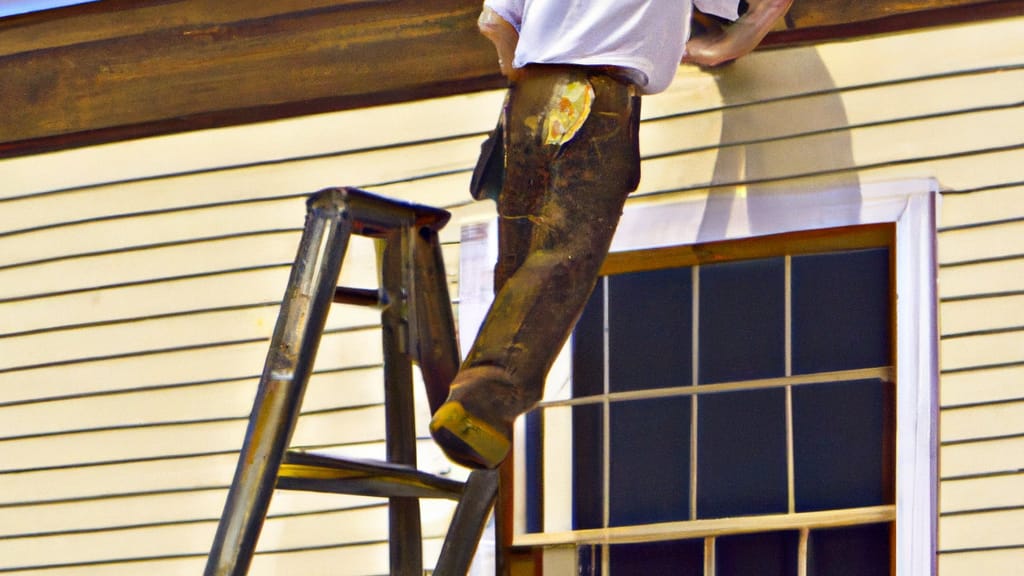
[(812, 23), (119, 69), (223, 71)]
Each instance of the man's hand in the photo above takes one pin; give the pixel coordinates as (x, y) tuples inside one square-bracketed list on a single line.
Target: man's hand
[(739, 38), (504, 37)]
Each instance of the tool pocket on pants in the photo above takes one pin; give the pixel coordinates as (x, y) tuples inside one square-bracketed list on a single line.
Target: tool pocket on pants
[(489, 173)]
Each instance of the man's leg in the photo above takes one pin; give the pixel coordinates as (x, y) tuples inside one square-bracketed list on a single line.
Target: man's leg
[(561, 204)]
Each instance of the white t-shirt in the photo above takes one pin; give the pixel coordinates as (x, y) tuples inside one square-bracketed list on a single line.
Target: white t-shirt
[(648, 36)]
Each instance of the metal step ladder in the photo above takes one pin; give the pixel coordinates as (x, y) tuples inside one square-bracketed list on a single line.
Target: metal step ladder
[(417, 327)]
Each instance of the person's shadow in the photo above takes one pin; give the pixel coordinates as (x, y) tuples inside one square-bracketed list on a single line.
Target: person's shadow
[(763, 154)]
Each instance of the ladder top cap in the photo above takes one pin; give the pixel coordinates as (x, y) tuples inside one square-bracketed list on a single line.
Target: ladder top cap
[(340, 198)]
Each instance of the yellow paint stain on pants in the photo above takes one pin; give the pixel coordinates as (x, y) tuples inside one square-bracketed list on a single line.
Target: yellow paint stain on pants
[(569, 110)]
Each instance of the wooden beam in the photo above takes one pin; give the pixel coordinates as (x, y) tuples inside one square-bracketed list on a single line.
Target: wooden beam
[(824, 20), (189, 64), (832, 12), (122, 69)]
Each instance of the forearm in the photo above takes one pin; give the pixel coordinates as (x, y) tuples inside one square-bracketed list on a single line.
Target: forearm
[(503, 35), (741, 37)]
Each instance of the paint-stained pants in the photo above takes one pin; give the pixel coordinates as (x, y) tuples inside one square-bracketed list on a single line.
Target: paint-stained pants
[(571, 159)]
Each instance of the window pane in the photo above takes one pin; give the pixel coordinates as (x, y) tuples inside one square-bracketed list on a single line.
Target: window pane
[(841, 316), (856, 551), (650, 329), (678, 558), (767, 554), (588, 347), (742, 321), (650, 461), (741, 454), (587, 467), (588, 558), (842, 452)]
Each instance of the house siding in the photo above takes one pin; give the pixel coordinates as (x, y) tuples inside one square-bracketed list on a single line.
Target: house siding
[(982, 351), (139, 285)]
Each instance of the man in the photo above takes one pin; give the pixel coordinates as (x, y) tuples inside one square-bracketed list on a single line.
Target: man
[(571, 122)]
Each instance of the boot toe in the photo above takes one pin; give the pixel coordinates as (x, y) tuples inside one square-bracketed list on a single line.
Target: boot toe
[(468, 439)]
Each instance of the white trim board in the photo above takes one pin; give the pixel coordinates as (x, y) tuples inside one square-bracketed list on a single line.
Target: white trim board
[(741, 215)]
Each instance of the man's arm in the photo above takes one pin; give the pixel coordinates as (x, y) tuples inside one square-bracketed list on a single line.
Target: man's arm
[(503, 35), (739, 38)]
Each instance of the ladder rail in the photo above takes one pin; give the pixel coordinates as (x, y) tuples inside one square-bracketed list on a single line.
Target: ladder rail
[(282, 385), (435, 342), (405, 550), (468, 524)]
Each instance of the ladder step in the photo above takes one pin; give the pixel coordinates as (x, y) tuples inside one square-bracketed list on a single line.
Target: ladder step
[(357, 296), (320, 473)]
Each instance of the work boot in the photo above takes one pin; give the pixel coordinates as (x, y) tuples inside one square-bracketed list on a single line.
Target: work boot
[(474, 427)]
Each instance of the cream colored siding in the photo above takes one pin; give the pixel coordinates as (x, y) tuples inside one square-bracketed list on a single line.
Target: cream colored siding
[(981, 562), (983, 494), (139, 285), (982, 425), (991, 384)]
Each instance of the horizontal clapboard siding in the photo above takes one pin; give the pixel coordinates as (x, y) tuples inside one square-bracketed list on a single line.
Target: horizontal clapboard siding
[(982, 422), (981, 283), (136, 311), (139, 284)]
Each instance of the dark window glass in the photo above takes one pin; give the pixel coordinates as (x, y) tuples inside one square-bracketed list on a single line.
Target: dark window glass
[(742, 321), (841, 315), (678, 558), (534, 481), (588, 347), (765, 554), (589, 560), (587, 467), (741, 454), (650, 329), (650, 461), (840, 445), (856, 551)]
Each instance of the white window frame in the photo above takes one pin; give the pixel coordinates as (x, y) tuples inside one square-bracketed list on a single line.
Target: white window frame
[(911, 206)]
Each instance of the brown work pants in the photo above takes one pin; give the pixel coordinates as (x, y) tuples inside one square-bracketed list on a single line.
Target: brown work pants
[(559, 207)]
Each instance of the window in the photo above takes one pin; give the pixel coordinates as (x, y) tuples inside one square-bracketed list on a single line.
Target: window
[(891, 510), (726, 401)]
